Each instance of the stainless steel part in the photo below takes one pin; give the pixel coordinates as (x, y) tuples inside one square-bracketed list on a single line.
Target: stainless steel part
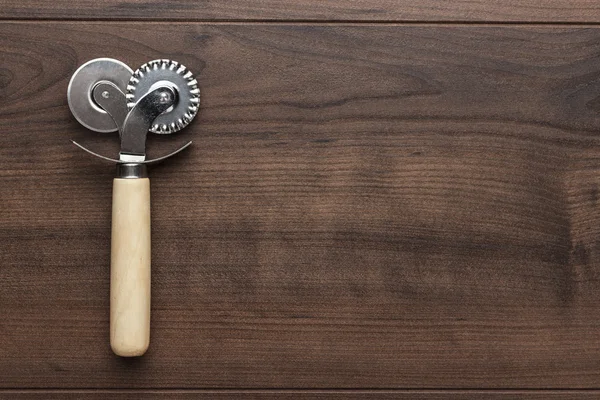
[(152, 161), (134, 125), (158, 73), (131, 171), (139, 120), (79, 92), (133, 119), (108, 96)]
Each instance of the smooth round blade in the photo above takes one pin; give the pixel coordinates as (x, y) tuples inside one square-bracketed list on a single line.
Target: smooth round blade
[(79, 92)]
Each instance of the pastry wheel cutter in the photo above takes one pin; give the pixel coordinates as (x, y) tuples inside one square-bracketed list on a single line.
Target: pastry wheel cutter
[(162, 97)]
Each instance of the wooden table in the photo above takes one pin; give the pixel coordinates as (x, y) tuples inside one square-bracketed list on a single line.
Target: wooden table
[(383, 200)]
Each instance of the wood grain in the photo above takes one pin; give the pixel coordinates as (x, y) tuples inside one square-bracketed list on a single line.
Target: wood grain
[(295, 394), (363, 207), (130, 267), (557, 11)]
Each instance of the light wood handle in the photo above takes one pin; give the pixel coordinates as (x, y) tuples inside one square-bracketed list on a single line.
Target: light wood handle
[(130, 267)]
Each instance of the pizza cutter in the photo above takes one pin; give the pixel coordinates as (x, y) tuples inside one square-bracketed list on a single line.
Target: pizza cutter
[(162, 97)]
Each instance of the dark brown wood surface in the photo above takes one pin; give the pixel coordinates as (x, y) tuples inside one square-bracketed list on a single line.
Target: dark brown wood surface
[(295, 394), (364, 207), (570, 11)]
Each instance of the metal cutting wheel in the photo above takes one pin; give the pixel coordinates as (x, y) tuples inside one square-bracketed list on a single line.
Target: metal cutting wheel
[(166, 73), (79, 93)]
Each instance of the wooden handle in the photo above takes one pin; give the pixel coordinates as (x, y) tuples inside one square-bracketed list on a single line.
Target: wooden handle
[(130, 267)]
